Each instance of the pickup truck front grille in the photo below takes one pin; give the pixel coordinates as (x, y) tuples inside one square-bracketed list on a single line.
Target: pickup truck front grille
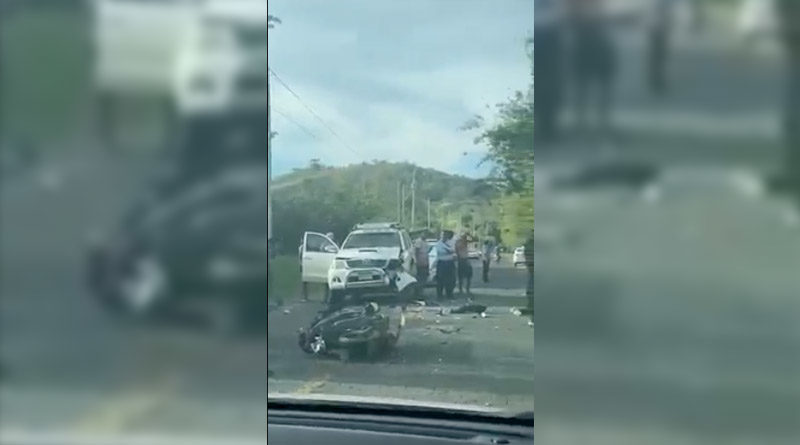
[(360, 263)]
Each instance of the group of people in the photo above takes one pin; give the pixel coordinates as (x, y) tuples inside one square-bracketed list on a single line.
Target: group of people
[(579, 37), (453, 266)]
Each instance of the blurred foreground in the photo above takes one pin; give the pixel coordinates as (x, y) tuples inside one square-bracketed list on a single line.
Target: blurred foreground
[(667, 299), (82, 167)]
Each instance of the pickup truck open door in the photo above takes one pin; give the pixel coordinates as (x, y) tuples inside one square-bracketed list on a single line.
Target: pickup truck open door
[(317, 253)]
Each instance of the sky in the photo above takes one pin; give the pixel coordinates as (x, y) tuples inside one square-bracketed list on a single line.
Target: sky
[(392, 79)]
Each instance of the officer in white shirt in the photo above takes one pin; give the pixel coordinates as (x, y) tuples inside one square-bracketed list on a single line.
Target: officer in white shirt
[(445, 266)]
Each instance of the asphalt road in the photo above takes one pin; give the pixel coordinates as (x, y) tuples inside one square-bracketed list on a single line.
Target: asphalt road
[(489, 361), (667, 312), (69, 368)]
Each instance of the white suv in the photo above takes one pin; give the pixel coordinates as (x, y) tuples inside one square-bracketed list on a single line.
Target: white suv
[(364, 262)]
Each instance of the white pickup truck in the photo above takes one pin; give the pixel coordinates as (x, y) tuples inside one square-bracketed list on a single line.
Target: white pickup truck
[(205, 57), (371, 256)]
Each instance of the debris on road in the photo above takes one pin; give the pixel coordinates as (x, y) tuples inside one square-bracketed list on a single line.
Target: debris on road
[(449, 330), (287, 311), (521, 311), (470, 309)]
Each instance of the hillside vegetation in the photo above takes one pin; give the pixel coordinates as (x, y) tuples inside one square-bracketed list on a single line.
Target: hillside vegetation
[(327, 199)]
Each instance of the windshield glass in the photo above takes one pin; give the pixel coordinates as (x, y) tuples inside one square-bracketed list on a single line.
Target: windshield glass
[(378, 239)]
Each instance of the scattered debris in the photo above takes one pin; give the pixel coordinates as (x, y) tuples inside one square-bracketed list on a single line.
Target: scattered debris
[(530, 323), (287, 311), (483, 314), (470, 309), (652, 193), (521, 311), (449, 330), (611, 173), (748, 184)]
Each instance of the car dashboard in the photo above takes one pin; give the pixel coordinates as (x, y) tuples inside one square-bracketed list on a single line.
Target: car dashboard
[(312, 427)]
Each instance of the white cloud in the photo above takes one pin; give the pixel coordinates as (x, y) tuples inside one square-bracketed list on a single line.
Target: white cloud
[(395, 83)]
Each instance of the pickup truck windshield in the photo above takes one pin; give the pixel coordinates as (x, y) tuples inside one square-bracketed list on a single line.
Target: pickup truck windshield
[(378, 239)]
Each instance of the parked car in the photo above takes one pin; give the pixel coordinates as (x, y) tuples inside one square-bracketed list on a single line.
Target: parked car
[(205, 241), (519, 256)]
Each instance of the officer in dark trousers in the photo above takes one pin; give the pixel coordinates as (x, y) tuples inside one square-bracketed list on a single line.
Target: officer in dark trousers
[(789, 18), (529, 265), (547, 69)]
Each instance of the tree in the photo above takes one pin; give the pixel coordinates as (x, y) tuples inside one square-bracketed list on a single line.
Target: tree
[(510, 140), (272, 21), (510, 150)]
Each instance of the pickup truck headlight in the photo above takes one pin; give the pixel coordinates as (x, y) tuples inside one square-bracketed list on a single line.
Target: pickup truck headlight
[(339, 264)]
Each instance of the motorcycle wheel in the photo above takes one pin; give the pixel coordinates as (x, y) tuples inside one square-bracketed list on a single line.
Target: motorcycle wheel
[(302, 341)]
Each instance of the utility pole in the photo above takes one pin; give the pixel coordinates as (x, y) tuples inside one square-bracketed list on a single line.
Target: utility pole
[(429, 214), (413, 197), (398, 202), (403, 204)]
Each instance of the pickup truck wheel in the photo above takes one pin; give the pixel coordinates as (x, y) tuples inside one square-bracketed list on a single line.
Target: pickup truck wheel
[(336, 296)]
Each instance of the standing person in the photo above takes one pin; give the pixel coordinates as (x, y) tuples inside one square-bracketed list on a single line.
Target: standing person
[(547, 41), (486, 257), (423, 265), (593, 60), (788, 13), (529, 265), (464, 266), (445, 266), (660, 24)]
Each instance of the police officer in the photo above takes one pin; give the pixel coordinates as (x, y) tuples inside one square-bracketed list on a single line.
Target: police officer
[(789, 18)]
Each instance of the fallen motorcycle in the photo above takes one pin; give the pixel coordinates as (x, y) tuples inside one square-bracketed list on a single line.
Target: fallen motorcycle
[(366, 330)]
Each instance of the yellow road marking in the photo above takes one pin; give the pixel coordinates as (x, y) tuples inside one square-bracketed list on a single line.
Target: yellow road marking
[(120, 412), (312, 385)]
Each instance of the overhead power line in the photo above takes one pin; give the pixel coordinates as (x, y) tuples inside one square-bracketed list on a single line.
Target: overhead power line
[(314, 113), (297, 124)]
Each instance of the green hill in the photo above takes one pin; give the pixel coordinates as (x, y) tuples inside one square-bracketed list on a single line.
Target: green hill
[(323, 199)]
